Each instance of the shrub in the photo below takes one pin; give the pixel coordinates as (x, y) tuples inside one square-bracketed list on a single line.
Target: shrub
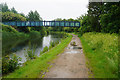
[(31, 53), (10, 16), (6, 28), (10, 64), (57, 42), (45, 49), (52, 44)]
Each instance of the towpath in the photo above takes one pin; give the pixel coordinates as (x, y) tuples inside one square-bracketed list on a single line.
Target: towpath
[(69, 64)]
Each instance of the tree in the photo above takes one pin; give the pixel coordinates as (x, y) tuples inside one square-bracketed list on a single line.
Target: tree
[(4, 7), (22, 14), (70, 19), (58, 19), (94, 11), (33, 16), (37, 16), (30, 16), (13, 10), (101, 17), (110, 20)]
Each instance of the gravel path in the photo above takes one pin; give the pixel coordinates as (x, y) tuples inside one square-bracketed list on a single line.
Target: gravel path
[(69, 64)]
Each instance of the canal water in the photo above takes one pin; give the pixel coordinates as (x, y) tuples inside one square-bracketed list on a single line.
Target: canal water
[(39, 43)]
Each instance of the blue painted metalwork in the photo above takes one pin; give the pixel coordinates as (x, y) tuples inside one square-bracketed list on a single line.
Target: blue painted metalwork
[(43, 23)]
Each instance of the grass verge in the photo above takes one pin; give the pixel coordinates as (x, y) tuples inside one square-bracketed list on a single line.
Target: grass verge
[(34, 68), (101, 50)]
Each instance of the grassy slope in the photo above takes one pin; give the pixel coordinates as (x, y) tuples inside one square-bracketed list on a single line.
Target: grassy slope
[(102, 52), (34, 68)]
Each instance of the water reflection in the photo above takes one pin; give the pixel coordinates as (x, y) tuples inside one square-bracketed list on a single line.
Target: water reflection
[(20, 48)]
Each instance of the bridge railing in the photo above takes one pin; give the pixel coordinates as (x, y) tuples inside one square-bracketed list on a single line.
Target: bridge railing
[(43, 23)]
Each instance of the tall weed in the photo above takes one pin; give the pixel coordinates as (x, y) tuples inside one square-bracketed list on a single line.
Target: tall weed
[(102, 52)]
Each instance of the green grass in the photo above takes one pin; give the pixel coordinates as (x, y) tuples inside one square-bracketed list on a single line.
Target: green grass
[(101, 50), (34, 68)]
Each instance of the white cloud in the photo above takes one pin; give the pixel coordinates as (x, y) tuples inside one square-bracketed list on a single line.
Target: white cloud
[(51, 9)]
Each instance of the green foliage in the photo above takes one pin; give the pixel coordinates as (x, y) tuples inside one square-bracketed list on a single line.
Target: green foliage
[(33, 34), (4, 7), (23, 29), (6, 28), (33, 16), (110, 20), (102, 52), (52, 44), (10, 64), (45, 49), (101, 17), (69, 29), (30, 53), (13, 10), (59, 34), (10, 16), (56, 42)]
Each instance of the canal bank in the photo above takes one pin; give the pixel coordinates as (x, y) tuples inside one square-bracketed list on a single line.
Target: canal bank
[(35, 68)]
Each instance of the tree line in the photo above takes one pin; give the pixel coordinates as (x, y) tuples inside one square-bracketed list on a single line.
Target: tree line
[(13, 15), (101, 17)]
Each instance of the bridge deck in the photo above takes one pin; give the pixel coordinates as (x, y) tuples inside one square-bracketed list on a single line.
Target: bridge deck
[(43, 23)]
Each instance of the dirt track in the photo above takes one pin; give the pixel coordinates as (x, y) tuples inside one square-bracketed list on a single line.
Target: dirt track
[(69, 64)]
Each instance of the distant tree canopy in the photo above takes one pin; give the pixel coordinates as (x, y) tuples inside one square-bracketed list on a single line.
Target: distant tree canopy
[(4, 7), (60, 19), (57, 19), (101, 17), (10, 14), (13, 10), (13, 15), (33, 16)]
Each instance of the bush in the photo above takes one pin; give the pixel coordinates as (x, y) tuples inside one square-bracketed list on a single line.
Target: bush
[(10, 64), (6, 28), (31, 52), (52, 44), (10, 16), (45, 49), (57, 42)]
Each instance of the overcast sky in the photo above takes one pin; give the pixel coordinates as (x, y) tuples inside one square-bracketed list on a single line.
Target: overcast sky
[(50, 9)]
